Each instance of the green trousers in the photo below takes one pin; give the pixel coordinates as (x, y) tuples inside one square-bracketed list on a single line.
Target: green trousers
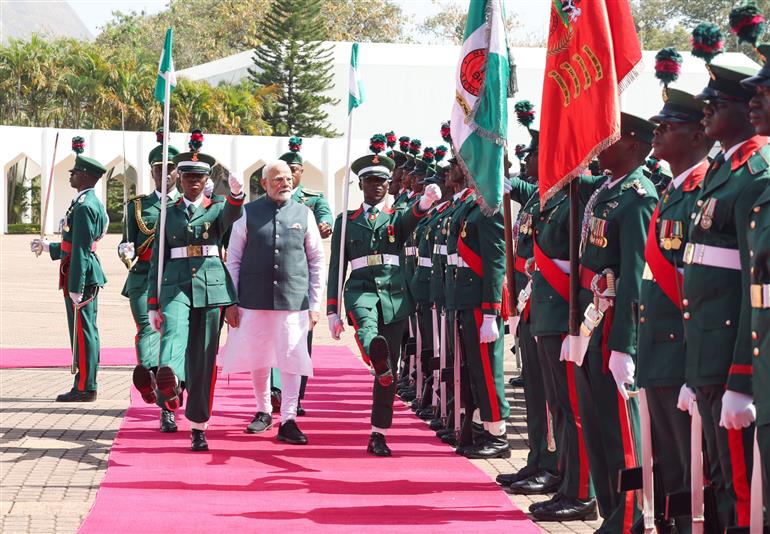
[(86, 353), (534, 398), (189, 345), (147, 340), (485, 366), (611, 433)]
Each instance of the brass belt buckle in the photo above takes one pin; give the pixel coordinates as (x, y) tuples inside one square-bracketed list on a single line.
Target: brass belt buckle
[(374, 259), (756, 295), (194, 251), (689, 253), (593, 316)]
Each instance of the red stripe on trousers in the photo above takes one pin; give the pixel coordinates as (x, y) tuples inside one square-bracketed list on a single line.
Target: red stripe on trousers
[(583, 478), (486, 365), (81, 350), (629, 460), (740, 476), (358, 341), (213, 384)]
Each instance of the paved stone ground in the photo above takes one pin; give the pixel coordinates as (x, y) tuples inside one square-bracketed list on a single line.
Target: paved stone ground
[(54, 456)]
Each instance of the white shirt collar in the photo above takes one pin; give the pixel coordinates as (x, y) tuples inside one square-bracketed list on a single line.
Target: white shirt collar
[(459, 194), (733, 149), (197, 203), (613, 183), (378, 206), (170, 194), (83, 192), (679, 180)]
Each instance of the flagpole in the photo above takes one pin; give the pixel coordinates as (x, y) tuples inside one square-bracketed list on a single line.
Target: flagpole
[(161, 235), (344, 219)]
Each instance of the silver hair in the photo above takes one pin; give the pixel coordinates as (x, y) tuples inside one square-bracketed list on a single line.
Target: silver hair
[(273, 165)]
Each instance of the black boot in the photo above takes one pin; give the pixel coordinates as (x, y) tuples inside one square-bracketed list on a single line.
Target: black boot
[(275, 400), (291, 434), (377, 445), (144, 382), (379, 354), (508, 479), (167, 421), (540, 483), (199, 441), (565, 509), (491, 447), (74, 395), (169, 390), (300, 409)]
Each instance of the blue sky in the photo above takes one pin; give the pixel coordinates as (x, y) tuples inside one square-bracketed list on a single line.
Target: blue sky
[(533, 14)]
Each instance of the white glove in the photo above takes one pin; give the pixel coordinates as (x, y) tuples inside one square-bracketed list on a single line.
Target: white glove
[(38, 246), (488, 333), (236, 184), (335, 325), (573, 349), (513, 324), (76, 297), (622, 367), (738, 410), (126, 251), (156, 320), (208, 189), (430, 195), (686, 401), (507, 185)]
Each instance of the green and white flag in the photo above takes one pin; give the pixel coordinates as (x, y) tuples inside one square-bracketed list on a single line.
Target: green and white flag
[(166, 72), (480, 113), (356, 89)]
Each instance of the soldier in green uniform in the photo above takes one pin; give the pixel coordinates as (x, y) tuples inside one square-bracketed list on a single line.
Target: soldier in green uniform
[(194, 290), (80, 273), (716, 305), (376, 297), (142, 214), (680, 140), (759, 270), (614, 230)]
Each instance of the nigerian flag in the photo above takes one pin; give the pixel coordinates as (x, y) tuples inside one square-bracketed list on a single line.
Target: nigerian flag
[(165, 70), (356, 89), (480, 114)]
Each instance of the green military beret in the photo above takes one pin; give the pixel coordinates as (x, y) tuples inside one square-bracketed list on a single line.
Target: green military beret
[(89, 165), (725, 84), (194, 162), (293, 157), (156, 154), (422, 168), (636, 127), (679, 106), (439, 176), (763, 76), (373, 165)]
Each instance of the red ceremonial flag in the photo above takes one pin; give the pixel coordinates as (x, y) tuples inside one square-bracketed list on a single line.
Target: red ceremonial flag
[(593, 54)]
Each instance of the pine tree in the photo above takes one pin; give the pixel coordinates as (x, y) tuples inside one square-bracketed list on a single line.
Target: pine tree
[(293, 58)]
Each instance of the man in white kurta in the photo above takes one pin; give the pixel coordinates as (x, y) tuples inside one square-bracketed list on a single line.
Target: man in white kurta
[(276, 261)]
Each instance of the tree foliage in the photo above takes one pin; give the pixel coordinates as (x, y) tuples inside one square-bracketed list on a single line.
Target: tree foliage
[(447, 26), (73, 84), (293, 60)]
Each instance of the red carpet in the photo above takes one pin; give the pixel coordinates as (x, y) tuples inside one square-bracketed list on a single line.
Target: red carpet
[(21, 358), (252, 483)]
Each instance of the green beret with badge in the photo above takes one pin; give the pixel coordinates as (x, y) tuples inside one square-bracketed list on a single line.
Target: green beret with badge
[(89, 166), (636, 127), (679, 106), (293, 157), (725, 84)]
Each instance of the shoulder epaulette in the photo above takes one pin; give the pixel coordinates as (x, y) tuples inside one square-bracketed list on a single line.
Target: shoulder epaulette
[(758, 162), (637, 186), (312, 192)]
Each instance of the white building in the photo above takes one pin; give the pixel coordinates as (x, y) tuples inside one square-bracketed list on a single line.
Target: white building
[(409, 89)]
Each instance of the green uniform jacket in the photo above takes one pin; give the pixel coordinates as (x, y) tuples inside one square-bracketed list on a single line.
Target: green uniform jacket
[(525, 194), (759, 247), (425, 236), (440, 233), (142, 214), (204, 280), (717, 309), (661, 350), (84, 224), (481, 245), (463, 204), (403, 200), (626, 209), (382, 284), (316, 201)]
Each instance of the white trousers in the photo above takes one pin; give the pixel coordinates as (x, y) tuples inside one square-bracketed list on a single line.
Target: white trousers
[(290, 384)]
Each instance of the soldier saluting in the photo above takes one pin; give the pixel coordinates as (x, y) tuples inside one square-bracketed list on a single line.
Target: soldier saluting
[(375, 294)]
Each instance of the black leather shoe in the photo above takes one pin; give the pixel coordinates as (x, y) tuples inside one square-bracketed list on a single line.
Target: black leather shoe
[(262, 422), (508, 479), (426, 414), (168, 388), (300, 410), (377, 445), (199, 441), (542, 505), (144, 382), (74, 395), (566, 509), (450, 439), (291, 434), (167, 421), (517, 381), (379, 354), (479, 436), (436, 424), (540, 483), (275, 400), (491, 447)]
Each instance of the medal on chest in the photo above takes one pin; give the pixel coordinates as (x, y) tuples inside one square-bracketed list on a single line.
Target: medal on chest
[(525, 226), (391, 233), (463, 233), (671, 234), (206, 227), (598, 232)]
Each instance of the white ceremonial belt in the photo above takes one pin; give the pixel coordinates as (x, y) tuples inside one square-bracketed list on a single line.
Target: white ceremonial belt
[(451, 259), (372, 260), (562, 264), (760, 296), (424, 262), (724, 258), (439, 249), (460, 262), (410, 251), (194, 251)]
